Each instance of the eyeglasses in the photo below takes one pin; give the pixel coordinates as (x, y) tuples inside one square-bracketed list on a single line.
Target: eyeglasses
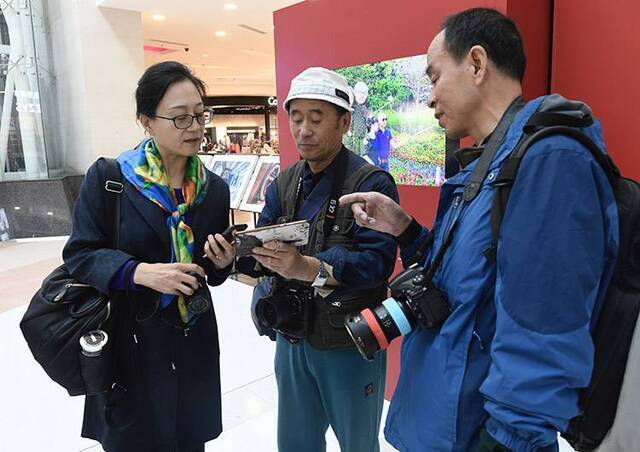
[(185, 121), (383, 119)]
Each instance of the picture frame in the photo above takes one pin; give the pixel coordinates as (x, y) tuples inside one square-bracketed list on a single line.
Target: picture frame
[(266, 171), (4, 226), (392, 125), (207, 160), (236, 171)]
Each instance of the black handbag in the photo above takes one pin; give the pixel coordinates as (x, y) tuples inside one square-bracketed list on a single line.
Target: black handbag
[(64, 310)]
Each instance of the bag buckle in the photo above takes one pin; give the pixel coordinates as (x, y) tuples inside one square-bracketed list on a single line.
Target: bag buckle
[(113, 186)]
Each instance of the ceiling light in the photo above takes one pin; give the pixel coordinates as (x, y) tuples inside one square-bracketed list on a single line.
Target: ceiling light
[(158, 17), (221, 34), (230, 6), (256, 53), (205, 55), (211, 66), (157, 49)]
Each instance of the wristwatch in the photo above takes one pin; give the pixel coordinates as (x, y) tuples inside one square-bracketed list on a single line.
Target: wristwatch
[(321, 277)]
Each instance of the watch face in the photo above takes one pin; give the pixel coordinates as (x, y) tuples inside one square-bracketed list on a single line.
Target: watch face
[(321, 277)]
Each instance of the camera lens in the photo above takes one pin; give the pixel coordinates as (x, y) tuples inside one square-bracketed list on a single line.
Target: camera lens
[(200, 301), (373, 330), (198, 304), (273, 314), (269, 314), (361, 335)]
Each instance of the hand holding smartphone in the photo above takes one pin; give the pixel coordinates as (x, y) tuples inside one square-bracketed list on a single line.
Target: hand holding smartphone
[(228, 233)]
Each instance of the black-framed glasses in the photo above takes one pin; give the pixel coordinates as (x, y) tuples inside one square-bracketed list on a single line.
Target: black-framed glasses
[(185, 121)]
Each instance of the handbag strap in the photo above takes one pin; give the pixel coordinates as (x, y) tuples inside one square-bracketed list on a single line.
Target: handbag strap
[(113, 187)]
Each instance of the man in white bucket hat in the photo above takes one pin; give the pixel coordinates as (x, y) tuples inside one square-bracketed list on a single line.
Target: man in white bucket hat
[(322, 380)]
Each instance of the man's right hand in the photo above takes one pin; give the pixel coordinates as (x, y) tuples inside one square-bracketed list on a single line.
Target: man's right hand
[(376, 211), (168, 278)]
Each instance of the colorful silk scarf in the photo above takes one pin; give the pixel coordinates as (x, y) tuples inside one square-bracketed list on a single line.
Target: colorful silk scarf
[(144, 169)]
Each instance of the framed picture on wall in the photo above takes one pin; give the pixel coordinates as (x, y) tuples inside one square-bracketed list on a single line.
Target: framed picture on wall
[(392, 126), (267, 169), (236, 170), (207, 160), (4, 226)]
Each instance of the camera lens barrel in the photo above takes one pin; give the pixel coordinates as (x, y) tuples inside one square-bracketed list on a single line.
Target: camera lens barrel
[(415, 301), (198, 304), (361, 335), (399, 315), (375, 327), (274, 314), (373, 330), (200, 301)]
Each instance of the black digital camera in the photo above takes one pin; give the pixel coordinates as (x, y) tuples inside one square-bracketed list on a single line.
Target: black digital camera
[(287, 309), (200, 301), (414, 301)]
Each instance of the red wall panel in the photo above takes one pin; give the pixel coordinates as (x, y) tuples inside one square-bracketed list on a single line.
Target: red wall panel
[(339, 33), (596, 58), (534, 19)]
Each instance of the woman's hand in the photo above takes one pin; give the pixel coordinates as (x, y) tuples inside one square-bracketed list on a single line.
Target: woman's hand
[(219, 251), (168, 278)]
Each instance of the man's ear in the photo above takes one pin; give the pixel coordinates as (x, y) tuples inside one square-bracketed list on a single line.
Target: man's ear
[(345, 121), (478, 60)]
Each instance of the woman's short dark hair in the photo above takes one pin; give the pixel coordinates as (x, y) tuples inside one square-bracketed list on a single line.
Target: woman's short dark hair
[(492, 30), (156, 80)]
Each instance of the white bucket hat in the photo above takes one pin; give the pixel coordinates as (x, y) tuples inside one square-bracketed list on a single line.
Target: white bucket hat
[(321, 84)]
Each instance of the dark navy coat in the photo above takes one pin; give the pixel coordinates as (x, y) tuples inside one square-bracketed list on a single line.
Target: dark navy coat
[(169, 398)]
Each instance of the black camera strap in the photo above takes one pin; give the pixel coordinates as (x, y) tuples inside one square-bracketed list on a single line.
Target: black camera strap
[(435, 264), (342, 161), (473, 185)]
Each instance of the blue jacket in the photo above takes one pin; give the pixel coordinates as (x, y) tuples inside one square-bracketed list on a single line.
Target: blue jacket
[(517, 345)]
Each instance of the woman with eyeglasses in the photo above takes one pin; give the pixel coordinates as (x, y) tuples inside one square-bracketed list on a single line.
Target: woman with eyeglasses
[(163, 333)]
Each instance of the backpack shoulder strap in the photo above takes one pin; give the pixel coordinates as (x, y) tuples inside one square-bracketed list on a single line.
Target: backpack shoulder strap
[(509, 170), (113, 187), (552, 118)]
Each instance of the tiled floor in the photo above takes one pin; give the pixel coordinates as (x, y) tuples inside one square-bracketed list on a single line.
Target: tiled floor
[(36, 415)]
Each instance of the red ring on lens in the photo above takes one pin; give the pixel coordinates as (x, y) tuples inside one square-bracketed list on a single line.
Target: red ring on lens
[(368, 316)]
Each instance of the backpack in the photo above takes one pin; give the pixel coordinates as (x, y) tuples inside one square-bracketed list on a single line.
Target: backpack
[(63, 310), (616, 322)]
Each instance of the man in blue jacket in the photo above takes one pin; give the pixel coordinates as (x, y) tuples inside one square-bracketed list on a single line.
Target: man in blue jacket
[(503, 371)]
